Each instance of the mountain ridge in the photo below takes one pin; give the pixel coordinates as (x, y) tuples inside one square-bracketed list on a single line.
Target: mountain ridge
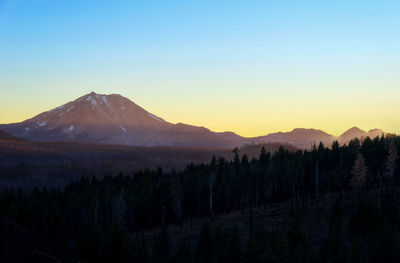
[(114, 119)]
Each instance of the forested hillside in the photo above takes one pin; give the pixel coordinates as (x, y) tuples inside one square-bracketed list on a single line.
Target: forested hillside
[(349, 193), (26, 164)]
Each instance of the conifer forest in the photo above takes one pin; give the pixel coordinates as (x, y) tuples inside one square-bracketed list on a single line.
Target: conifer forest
[(333, 203)]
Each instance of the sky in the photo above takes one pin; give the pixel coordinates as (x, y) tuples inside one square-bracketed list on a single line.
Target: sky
[(252, 67)]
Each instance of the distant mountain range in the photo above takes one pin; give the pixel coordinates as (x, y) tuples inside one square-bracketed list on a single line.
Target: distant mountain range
[(306, 138), (114, 119)]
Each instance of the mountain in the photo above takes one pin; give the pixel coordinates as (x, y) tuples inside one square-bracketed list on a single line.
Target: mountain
[(112, 119), (300, 137), (355, 132), (351, 134), (375, 132)]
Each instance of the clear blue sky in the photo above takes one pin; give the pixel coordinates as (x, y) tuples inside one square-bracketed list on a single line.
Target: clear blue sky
[(248, 66)]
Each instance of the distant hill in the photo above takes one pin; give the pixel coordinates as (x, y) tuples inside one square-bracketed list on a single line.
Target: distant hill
[(358, 133), (300, 138), (305, 138)]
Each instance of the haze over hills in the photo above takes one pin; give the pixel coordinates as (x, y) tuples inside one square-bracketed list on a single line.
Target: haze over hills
[(26, 163), (114, 119)]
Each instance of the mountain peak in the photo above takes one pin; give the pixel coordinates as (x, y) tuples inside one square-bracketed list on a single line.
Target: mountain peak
[(353, 130), (352, 133), (94, 94), (93, 117)]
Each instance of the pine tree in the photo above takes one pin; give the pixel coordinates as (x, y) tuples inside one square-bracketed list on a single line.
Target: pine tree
[(212, 181), (176, 195), (391, 167), (119, 209), (359, 173), (261, 186), (391, 162)]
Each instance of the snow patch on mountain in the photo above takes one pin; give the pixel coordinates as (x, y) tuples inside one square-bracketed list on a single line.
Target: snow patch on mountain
[(41, 124), (104, 98), (154, 117), (122, 128), (92, 100)]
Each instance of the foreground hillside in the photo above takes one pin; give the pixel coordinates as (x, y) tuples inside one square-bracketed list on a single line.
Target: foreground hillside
[(282, 233)]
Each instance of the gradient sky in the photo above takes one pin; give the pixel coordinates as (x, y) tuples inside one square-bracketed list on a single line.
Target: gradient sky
[(252, 67)]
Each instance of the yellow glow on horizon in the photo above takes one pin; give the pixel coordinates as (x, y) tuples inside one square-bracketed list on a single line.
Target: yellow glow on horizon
[(248, 114), (246, 123)]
